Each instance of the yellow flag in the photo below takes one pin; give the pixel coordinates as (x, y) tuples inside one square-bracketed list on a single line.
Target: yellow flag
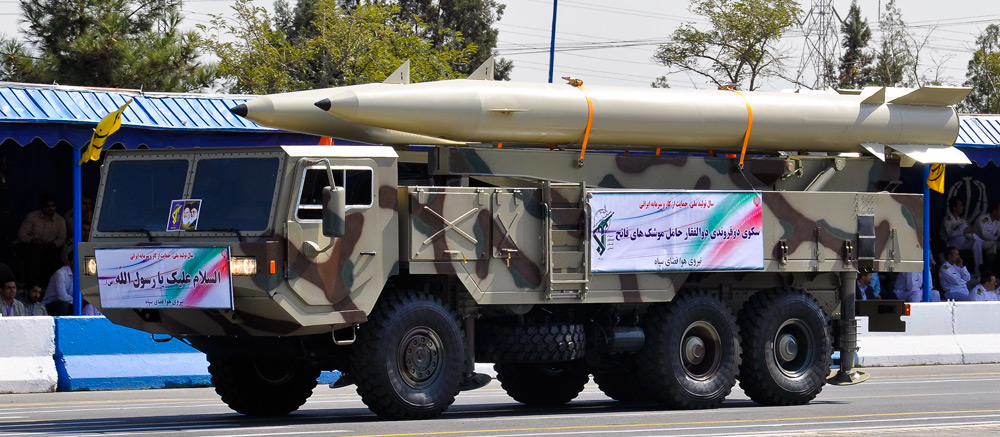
[(935, 178), (107, 126)]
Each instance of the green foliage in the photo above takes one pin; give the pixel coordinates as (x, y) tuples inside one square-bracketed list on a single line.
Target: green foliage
[(739, 47), (896, 59), (339, 48), (855, 63), (107, 43), (984, 74)]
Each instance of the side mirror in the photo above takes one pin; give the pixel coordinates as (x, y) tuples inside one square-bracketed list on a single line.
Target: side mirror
[(334, 211)]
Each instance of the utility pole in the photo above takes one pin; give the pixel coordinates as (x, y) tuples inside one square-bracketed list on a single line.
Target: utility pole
[(821, 51)]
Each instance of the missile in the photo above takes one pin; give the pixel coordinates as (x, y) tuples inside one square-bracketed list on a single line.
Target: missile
[(921, 124)]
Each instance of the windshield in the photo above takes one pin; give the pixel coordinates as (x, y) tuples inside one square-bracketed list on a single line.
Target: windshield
[(137, 194), (232, 193), (235, 193)]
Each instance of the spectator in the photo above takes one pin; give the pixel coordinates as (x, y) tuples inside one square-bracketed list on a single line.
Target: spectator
[(865, 290), (58, 298), (89, 310), (910, 287), (33, 300), (953, 276), (985, 291), (957, 232), (8, 305), (41, 236), (86, 216), (988, 228)]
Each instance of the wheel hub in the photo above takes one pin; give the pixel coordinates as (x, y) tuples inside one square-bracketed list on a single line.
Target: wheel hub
[(694, 350), (419, 356), (793, 347), (701, 350), (788, 347)]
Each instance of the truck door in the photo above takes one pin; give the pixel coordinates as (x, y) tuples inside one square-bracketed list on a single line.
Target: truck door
[(341, 267)]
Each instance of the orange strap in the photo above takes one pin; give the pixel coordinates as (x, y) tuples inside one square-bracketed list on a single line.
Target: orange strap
[(590, 120), (746, 136)]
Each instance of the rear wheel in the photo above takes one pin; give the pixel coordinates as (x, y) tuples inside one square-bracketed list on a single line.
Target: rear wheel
[(623, 386), (786, 347), (259, 386), (408, 357), (691, 352), (542, 384)]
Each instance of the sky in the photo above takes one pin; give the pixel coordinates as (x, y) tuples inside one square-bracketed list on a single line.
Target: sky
[(612, 43)]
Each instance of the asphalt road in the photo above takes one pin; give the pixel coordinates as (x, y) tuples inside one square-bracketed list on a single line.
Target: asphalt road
[(926, 400)]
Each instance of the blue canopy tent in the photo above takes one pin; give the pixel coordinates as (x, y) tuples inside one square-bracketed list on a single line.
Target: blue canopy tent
[(38, 122)]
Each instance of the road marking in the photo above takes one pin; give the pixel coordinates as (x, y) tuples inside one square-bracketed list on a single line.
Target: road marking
[(707, 422), (936, 376)]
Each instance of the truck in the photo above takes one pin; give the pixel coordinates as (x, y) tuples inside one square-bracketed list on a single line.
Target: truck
[(668, 277)]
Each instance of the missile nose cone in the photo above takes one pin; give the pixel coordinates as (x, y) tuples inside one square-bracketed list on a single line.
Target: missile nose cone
[(240, 110), (344, 104)]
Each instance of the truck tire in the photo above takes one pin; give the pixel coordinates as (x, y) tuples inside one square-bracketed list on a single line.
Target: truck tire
[(407, 359), (547, 343), (624, 386), (786, 347), (261, 386), (691, 353), (541, 384)]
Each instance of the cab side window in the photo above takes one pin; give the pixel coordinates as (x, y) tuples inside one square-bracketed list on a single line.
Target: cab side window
[(356, 182)]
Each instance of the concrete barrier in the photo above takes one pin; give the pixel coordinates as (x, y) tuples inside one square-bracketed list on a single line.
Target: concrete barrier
[(26, 348), (936, 333), (95, 354)]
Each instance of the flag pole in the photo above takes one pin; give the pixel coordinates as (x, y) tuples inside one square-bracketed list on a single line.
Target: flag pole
[(77, 220)]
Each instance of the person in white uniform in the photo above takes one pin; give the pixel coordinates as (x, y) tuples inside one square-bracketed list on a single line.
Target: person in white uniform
[(957, 232), (986, 290), (954, 276), (909, 286), (988, 228)]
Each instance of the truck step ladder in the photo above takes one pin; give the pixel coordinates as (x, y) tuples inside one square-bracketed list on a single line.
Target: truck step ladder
[(567, 247)]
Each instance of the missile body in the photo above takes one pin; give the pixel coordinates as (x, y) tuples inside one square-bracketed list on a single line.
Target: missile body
[(481, 111), (294, 111)]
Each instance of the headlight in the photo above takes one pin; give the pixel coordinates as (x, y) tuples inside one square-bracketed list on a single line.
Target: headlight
[(89, 266), (243, 265)]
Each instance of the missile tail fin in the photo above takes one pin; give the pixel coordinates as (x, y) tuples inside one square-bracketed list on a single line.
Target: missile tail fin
[(875, 149), (930, 154), (401, 75), (876, 98), (485, 71), (933, 96)]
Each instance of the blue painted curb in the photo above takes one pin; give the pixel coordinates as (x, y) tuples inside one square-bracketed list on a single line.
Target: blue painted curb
[(94, 354)]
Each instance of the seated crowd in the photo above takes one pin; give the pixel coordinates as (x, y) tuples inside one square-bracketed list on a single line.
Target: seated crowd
[(41, 258)]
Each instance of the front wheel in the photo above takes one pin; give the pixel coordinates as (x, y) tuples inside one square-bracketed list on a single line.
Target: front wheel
[(261, 386), (407, 359), (691, 352), (786, 347)]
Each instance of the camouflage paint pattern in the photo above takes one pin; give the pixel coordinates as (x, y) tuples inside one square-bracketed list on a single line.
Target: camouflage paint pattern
[(495, 240)]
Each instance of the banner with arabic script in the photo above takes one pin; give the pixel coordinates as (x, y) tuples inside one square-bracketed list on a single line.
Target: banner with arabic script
[(675, 231), (164, 277)]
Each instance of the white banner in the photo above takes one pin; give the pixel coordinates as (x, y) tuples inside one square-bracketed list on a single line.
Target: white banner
[(676, 231), (164, 277)]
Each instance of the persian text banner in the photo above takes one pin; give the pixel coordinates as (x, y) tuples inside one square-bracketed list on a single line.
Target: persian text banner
[(165, 277), (672, 231)]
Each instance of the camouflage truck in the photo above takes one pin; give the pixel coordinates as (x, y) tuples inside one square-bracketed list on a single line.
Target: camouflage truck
[(665, 277)]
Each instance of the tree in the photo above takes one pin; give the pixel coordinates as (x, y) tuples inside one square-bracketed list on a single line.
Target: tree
[(739, 48), (339, 48), (108, 43), (855, 64), (984, 74), (895, 59)]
